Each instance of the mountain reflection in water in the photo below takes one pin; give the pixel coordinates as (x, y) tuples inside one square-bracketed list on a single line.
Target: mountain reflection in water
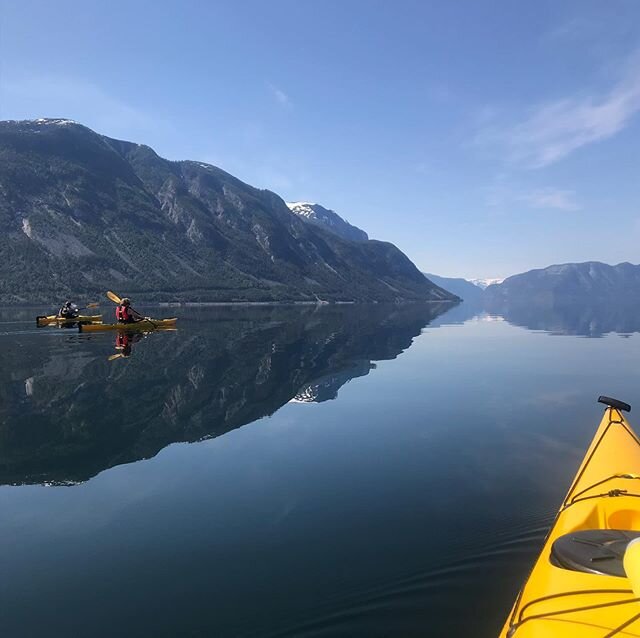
[(581, 317), (426, 488), (71, 411)]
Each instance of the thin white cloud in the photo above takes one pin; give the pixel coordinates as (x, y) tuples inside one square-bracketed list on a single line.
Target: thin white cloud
[(280, 96), (505, 197), (554, 130), (576, 27), (597, 27), (546, 198)]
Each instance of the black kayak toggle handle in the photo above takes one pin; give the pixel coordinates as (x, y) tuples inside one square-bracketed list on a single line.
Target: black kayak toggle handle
[(614, 403)]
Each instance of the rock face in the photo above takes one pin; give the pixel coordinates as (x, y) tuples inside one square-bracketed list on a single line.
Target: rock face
[(81, 213), (463, 288), (328, 219), (569, 283)]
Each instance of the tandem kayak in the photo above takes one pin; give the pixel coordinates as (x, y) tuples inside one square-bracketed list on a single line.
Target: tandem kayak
[(54, 320), (578, 586), (145, 324)]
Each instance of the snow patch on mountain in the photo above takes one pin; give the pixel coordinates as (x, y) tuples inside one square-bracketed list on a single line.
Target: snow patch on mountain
[(304, 209), (328, 219), (55, 120), (484, 283)]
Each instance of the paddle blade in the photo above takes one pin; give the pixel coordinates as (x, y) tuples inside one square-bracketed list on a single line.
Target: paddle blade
[(92, 305), (113, 297), (118, 355)]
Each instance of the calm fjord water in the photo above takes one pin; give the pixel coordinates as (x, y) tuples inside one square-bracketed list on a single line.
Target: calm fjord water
[(276, 472)]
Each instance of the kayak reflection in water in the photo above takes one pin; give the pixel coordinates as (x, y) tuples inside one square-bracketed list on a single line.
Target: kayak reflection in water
[(125, 341), (125, 313)]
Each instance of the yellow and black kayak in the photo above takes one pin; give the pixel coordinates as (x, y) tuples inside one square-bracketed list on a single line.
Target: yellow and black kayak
[(582, 584), (145, 324), (55, 320)]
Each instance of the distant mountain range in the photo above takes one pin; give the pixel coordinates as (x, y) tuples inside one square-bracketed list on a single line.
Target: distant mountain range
[(587, 282), (567, 283), (81, 213), (463, 288), (483, 283)]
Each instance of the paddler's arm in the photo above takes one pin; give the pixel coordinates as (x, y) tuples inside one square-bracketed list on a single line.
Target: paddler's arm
[(136, 315)]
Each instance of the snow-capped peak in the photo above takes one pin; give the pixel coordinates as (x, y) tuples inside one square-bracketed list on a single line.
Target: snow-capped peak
[(321, 216), (305, 209), (484, 283), (55, 120)]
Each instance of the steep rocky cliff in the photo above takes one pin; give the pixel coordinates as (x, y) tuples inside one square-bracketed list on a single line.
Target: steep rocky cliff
[(81, 213)]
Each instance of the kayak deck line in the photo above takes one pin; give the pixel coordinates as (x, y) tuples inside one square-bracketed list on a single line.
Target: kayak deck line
[(578, 586), (569, 498), (146, 324), (50, 320), (610, 493), (571, 610)]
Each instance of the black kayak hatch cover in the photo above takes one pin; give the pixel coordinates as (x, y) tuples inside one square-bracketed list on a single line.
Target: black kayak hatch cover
[(595, 551)]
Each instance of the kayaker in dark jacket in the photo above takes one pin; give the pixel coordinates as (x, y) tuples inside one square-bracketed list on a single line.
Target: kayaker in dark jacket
[(125, 313), (69, 310)]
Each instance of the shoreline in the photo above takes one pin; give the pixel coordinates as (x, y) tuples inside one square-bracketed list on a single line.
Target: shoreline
[(205, 304)]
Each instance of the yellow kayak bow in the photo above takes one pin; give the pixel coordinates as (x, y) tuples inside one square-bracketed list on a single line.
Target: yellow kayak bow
[(579, 587)]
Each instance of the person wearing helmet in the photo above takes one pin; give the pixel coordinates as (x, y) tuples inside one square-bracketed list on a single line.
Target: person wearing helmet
[(125, 313), (69, 310)]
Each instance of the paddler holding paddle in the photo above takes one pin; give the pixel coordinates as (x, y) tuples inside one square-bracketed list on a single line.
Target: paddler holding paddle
[(125, 313), (69, 310)]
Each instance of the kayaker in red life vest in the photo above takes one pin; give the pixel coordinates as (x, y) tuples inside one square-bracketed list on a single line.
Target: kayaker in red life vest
[(125, 313)]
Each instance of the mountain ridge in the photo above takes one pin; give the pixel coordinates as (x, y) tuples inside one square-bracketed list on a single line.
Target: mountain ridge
[(463, 288), (563, 283), (81, 212), (328, 219)]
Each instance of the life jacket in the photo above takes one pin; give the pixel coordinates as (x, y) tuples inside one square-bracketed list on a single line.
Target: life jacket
[(123, 314), (122, 340)]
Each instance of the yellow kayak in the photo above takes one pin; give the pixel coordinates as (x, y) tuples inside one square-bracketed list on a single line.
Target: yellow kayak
[(54, 320), (578, 586), (145, 324)]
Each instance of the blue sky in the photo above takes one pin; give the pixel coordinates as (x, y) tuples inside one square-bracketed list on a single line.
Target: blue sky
[(482, 138)]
